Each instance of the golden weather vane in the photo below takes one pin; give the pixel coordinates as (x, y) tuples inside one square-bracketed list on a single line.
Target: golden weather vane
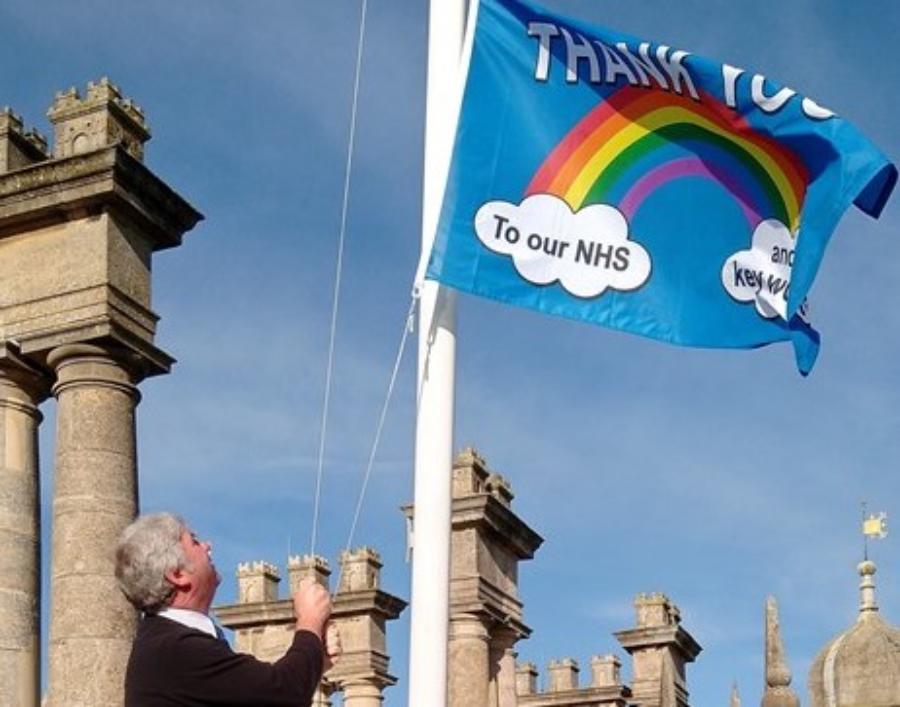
[(874, 525)]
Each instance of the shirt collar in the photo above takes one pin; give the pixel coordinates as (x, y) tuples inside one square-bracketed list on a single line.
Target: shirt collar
[(191, 619)]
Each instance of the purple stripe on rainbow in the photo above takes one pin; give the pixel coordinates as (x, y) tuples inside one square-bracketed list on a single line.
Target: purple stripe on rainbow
[(687, 167)]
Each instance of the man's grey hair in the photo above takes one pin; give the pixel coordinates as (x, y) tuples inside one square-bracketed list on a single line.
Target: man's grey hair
[(148, 549)]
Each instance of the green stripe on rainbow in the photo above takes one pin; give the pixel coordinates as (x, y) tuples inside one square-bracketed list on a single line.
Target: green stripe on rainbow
[(635, 124)]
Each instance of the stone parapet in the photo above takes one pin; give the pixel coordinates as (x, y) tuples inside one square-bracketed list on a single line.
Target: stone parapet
[(563, 689)]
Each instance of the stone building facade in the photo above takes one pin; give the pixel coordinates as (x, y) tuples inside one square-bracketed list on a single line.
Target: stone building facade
[(79, 224)]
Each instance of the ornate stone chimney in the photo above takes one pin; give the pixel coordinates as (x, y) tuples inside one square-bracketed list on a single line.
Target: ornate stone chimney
[(660, 650), (563, 675), (102, 118), (257, 582)]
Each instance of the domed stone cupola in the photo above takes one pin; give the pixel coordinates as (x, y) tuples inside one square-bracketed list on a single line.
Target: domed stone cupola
[(861, 666)]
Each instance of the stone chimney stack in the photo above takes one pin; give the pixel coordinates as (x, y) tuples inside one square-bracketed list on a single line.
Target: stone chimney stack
[(360, 570), (660, 648), (257, 582), (104, 117), (18, 148), (313, 566), (526, 679), (563, 675), (606, 671)]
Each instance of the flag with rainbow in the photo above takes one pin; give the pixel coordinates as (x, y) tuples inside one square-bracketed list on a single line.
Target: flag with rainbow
[(619, 181)]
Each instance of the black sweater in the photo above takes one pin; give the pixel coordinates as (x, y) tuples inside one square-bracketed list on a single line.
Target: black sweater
[(171, 664)]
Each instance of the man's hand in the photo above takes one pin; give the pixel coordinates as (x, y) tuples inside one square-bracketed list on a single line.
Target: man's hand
[(312, 607)]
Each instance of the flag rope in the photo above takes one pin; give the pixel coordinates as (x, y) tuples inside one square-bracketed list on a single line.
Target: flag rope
[(408, 327), (329, 368)]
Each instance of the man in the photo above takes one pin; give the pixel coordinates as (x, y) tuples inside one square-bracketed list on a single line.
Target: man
[(178, 656)]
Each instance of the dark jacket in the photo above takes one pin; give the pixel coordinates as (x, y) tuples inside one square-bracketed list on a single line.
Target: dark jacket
[(171, 664)]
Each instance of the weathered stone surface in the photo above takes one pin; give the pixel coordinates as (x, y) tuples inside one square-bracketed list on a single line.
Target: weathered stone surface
[(22, 387), (88, 671), (95, 498), (469, 665), (658, 643), (778, 675)]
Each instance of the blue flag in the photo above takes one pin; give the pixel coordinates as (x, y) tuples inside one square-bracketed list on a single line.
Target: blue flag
[(618, 181)]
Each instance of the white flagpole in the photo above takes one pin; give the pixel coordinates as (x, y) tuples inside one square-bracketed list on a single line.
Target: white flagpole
[(430, 597)]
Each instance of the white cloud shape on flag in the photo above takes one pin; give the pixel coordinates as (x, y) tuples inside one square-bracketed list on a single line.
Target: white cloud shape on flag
[(762, 274), (587, 252)]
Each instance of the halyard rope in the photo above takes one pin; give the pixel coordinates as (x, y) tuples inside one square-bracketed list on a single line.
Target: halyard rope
[(323, 430)]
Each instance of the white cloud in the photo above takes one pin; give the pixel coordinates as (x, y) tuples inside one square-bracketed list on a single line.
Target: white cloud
[(762, 274), (587, 252)]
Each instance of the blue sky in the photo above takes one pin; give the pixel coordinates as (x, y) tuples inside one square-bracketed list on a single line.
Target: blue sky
[(715, 476)]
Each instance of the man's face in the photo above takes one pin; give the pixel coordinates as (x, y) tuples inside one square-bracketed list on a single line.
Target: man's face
[(199, 568)]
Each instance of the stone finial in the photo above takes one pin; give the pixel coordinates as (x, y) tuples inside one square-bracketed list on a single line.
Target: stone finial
[(563, 675), (104, 117), (867, 603), (606, 671), (735, 699), (526, 679), (500, 488), (257, 582), (360, 570), (778, 674), (19, 148), (656, 609), (302, 566)]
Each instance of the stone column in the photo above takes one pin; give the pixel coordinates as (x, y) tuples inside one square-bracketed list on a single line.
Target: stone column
[(21, 389), (503, 668), (362, 693), (468, 674), (95, 497)]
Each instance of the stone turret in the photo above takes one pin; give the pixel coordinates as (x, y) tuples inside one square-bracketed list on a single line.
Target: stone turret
[(735, 699), (103, 117), (778, 675)]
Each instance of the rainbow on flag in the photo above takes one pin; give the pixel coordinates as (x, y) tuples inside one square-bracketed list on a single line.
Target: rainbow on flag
[(618, 181)]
